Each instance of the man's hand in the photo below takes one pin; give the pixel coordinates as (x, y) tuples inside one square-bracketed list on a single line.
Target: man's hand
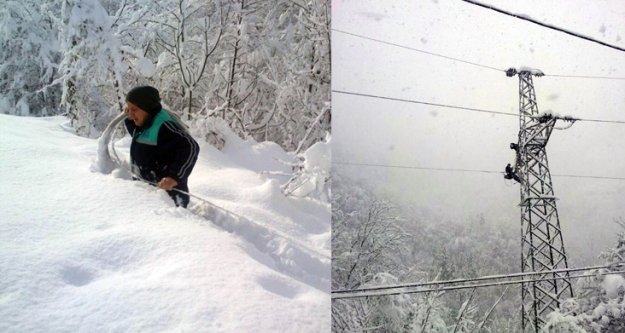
[(167, 183)]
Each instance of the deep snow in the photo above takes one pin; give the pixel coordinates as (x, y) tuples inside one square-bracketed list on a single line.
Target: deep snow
[(82, 251)]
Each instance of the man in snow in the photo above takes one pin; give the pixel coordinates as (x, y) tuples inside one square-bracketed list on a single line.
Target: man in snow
[(162, 151)]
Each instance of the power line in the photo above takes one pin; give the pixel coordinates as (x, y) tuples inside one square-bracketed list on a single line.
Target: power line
[(418, 50), (424, 103), (470, 62), (586, 77), (461, 107), (477, 285), (414, 167), (603, 121), (461, 170), (546, 25), (592, 177), (481, 278)]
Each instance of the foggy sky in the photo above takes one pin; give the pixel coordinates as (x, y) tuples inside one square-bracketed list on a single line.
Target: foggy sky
[(377, 131)]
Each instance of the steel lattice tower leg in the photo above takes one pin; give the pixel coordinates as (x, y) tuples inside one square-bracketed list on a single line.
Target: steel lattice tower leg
[(542, 248)]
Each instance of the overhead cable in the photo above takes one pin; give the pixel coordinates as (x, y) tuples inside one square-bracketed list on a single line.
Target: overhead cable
[(543, 24), (586, 77), (468, 286), (419, 50), (470, 62), (424, 103), (461, 107), (414, 167), (462, 170), (481, 278)]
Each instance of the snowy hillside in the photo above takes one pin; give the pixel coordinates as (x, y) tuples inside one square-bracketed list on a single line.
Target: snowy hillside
[(82, 251)]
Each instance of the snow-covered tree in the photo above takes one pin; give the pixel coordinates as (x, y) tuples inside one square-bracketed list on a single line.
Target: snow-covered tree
[(29, 58), (366, 238), (299, 71), (599, 305), (368, 249), (93, 64), (260, 67), (431, 249), (184, 36), (378, 314)]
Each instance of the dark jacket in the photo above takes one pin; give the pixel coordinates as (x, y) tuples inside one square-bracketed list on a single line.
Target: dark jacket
[(162, 148)]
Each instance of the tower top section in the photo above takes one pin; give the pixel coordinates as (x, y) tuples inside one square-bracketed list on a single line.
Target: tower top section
[(524, 70)]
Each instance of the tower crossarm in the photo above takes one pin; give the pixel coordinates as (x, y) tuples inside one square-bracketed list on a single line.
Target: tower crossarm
[(537, 134)]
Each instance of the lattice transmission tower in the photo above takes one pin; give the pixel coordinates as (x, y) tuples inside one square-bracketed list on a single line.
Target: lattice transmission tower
[(542, 248)]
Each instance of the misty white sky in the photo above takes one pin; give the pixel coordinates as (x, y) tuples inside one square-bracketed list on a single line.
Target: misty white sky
[(367, 130)]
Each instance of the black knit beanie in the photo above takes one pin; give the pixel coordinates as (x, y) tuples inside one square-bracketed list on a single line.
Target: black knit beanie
[(145, 97)]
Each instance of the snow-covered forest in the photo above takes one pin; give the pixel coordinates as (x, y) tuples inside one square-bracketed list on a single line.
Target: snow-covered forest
[(262, 67), (376, 243)]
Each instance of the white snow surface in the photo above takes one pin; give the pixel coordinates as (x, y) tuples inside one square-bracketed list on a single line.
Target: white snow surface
[(533, 71), (316, 170), (87, 252), (318, 156)]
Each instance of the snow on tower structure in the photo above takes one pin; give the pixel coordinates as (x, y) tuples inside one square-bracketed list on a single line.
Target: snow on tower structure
[(542, 248)]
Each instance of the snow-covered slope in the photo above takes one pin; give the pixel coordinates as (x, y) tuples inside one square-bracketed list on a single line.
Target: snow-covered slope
[(86, 252)]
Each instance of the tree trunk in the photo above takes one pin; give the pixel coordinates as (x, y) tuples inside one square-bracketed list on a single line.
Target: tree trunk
[(233, 65), (190, 104)]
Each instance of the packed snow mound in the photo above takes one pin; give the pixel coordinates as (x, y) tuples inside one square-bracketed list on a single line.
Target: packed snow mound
[(312, 178), (317, 157), (533, 71), (82, 251)]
